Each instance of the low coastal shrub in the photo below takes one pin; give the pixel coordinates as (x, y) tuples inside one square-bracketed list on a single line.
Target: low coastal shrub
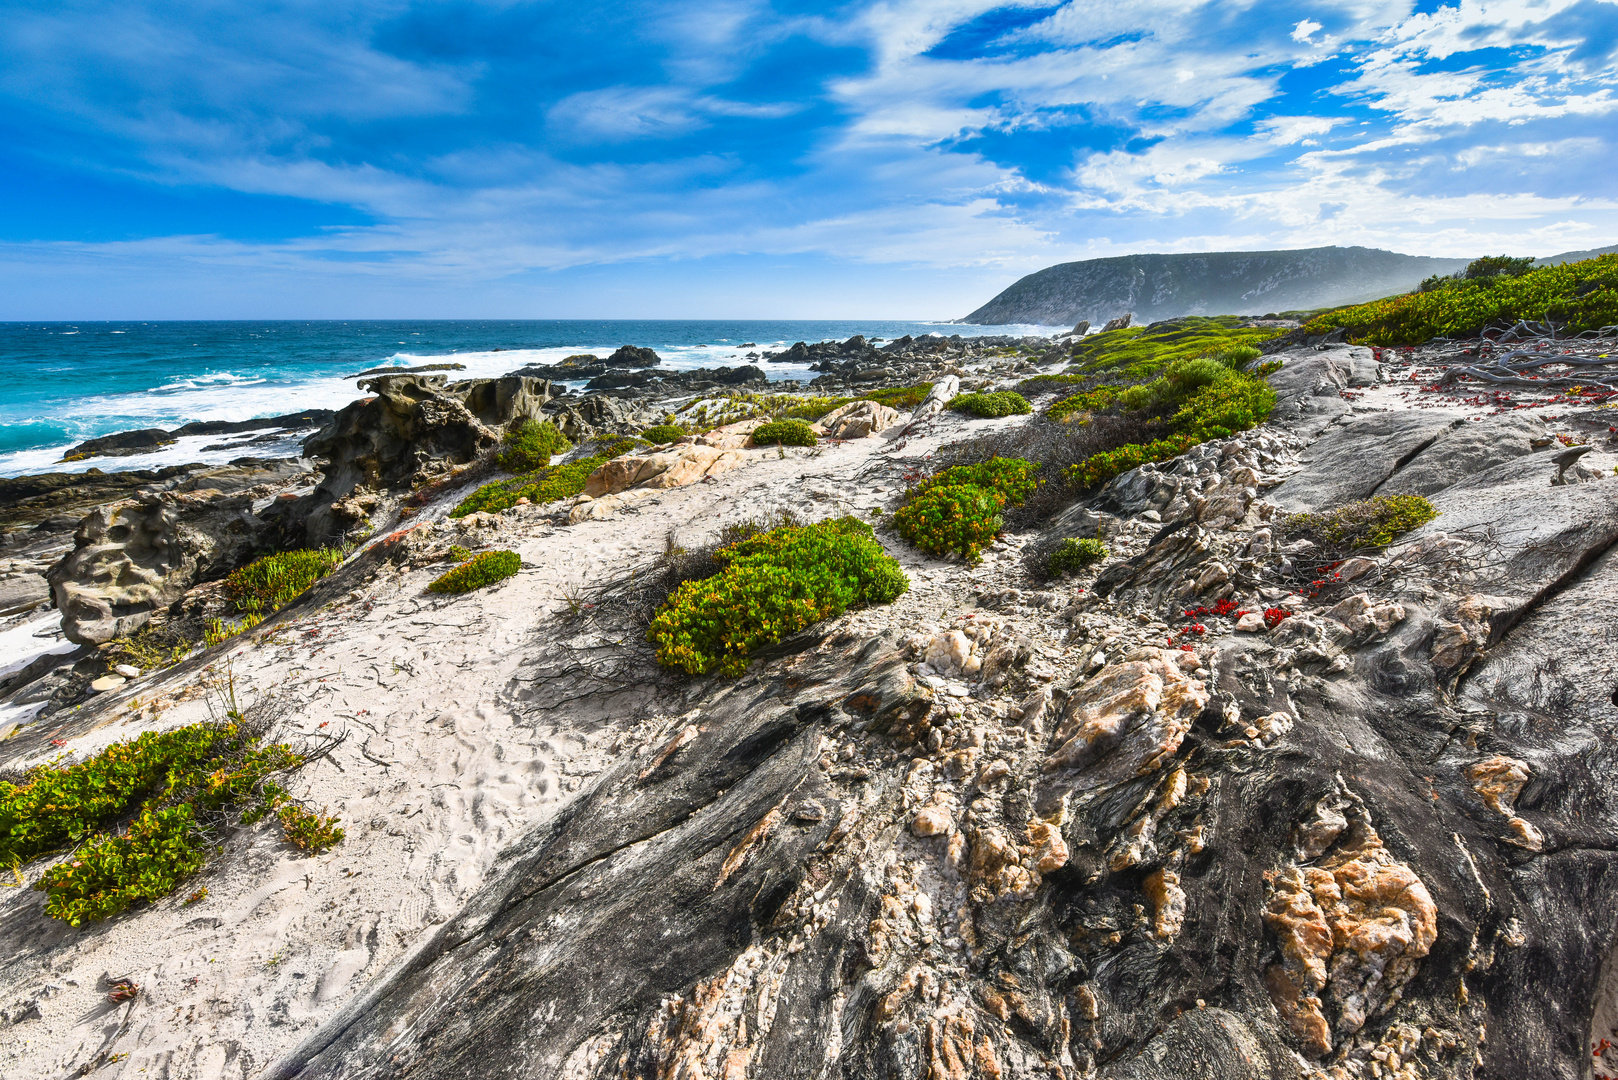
[(784, 433), (1198, 400), (1574, 296), (1368, 523), (177, 790), (1074, 555), (539, 487), (959, 509), (529, 445), (218, 631), (772, 585), (265, 585), (482, 569), (1142, 351), (659, 434), (992, 406), (895, 397)]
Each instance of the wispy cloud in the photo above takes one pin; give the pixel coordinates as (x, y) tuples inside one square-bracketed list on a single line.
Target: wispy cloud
[(458, 144)]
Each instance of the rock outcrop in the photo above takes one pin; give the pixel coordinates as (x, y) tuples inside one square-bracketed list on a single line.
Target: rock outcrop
[(135, 558)]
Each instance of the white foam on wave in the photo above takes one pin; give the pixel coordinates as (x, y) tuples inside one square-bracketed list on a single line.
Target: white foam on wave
[(233, 396)]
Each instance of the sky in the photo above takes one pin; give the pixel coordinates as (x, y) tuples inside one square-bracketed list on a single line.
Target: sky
[(747, 158)]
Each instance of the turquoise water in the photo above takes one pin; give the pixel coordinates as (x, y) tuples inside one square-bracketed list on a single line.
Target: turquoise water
[(66, 382)]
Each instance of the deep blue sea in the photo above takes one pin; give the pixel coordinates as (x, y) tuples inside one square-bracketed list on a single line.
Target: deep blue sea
[(66, 382)]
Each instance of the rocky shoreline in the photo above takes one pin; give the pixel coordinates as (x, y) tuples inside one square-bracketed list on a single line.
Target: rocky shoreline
[(1201, 810)]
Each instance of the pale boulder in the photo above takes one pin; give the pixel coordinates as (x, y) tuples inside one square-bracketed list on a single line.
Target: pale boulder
[(857, 420)]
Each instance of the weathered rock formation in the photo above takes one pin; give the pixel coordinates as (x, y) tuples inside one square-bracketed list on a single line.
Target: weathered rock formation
[(134, 558)]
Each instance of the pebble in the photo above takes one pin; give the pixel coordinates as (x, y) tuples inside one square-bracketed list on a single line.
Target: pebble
[(128, 671), (107, 682)]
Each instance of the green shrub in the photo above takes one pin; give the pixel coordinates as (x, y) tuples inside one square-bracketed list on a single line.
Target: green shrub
[(899, 397), (172, 788), (1074, 555), (1220, 409), (541, 486), (1238, 356), (658, 434), (992, 406), (1576, 296), (270, 583), (784, 433), (1368, 523), (458, 553), (772, 585), (482, 569), (1099, 468), (959, 509), (528, 445)]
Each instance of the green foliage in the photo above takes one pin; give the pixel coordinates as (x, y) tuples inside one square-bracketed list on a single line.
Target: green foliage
[(899, 397), (1222, 408), (784, 433), (172, 787), (1575, 296), (1099, 468), (1074, 555), (218, 631), (307, 830), (992, 406), (1210, 399), (528, 445), (772, 585), (959, 509), (147, 648), (482, 569), (539, 487), (1368, 523), (1142, 351), (1497, 266), (896, 397), (268, 584), (458, 553), (658, 434)]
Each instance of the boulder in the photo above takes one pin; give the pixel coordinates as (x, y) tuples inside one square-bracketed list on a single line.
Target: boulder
[(633, 356), (857, 420), (120, 444), (1122, 322), (1309, 386), (931, 405), (133, 558), (673, 467)]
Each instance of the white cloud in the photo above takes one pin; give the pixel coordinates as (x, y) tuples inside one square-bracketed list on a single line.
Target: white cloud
[(1305, 30)]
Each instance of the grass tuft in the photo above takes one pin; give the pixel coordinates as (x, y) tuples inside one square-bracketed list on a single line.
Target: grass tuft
[(785, 433), (268, 584)]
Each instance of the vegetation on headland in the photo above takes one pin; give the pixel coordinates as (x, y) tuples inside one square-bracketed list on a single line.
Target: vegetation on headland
[(142, 816), (1497, 291), (772, 585), (895, 397)]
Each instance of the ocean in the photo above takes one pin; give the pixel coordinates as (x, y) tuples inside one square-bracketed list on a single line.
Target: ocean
[(67, 382)]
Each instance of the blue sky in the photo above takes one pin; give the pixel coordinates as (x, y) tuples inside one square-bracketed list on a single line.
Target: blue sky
[(740, 158)]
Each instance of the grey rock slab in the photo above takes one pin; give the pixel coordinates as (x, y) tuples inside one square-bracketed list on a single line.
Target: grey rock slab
[(1464, 450), (1351, 461), (22, 592), (1309, 386)]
